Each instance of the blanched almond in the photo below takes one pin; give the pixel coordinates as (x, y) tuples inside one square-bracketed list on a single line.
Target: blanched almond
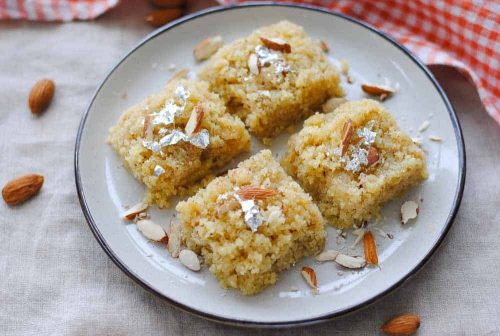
[(310, 277), (332, 103), (207, 47), (350, 262), (328, 255), (405, 324), (189, 259), (372, 156), (409, 210), (135, 210), (194, 123), (254, 192), (377, 90), (253, 64), (152, 230), (276, 44), (370, 249), (347, 132)]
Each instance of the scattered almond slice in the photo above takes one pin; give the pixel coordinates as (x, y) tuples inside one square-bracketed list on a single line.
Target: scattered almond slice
[(377, 90), (182, 73), (253, 64), (189, 259), (370, 248), (360, 232), (425, 125), (134, 211), (350, 262), (276, 44), (383, 234), (409, 210), (324, 46), (310, 277), (147, 129), (372, 156), (328, 255), (194, 123), (347, 132), (405, 324), (207, 47), (332, 103), (254, 192), (152, 230), (417, 140), (435, 138), (174, 241), (344, 66)]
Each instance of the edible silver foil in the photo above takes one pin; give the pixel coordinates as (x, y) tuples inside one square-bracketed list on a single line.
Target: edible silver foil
[(358, 158), (367, 136), (182, 93), (251, 213), (200, 139), (158, 170), (166, 115), (268, 57)]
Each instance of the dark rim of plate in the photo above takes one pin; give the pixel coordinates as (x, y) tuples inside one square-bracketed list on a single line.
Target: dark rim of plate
[(122, 265)]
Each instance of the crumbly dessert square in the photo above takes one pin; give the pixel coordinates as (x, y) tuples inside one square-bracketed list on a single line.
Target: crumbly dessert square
[(273, 78), (169, 156), (252, 223), (353, 160)]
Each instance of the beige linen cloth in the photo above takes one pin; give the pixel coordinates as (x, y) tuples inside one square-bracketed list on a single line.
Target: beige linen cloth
[(56, 280)]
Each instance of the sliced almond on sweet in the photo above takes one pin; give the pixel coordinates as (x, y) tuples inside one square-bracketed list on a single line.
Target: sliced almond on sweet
[(409, 210), (254, 192), (347, 132), (332, 103), (174, 241), (207, 47), (350, 262), (372, 156), (310, 277), (253, 64), (189, 259), (377, 90), (405, 324), (370, 248), (276, 44), (324, 46), (147, 129), (194, 123), (328, 255), (223, 206), (135, 211), (152, 231)]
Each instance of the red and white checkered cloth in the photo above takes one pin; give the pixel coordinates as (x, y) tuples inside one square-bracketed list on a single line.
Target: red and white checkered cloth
[(460, 33), (54, 10)]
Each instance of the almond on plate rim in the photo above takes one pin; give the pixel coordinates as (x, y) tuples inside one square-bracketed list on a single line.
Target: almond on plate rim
[(276, 43), (324, 46), (135, 210), (190, 260), (194, 123), (404, 324), (22, 188), (207, 47), (327, 255), (255, 192), (370, 249), (377, 89), (349, 261), (409, 210), (310, 276), (152, 231), (41, 95)]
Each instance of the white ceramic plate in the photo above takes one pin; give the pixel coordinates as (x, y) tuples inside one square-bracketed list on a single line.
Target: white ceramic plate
[(105, 187)]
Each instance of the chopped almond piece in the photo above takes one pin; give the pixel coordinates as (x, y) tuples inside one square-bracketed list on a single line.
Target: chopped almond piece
[(377, 90), (135, 211), (370, 249), (310, 277), (253, 192), (372, 156), (194, 123), (277, 44), (324, 46), (409, 210), (207, 47), (347, 132)]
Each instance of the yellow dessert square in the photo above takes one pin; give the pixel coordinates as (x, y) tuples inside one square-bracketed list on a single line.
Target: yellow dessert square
[(246, 245), (273, 78), (353, 160), (169, 157)]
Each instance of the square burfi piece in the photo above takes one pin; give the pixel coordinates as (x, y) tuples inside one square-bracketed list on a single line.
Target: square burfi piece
[(169, 156), (268, 88), (251, 224), (353, 160)]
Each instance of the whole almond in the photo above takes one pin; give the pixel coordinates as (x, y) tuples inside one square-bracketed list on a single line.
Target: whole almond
[(370, 247), (41, 95), (159, 17), (405, 324), (22, 188)]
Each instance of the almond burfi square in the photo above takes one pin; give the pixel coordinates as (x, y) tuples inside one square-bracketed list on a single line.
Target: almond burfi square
[(172, 140), (251, 224), (353, 160), (273, 78)]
